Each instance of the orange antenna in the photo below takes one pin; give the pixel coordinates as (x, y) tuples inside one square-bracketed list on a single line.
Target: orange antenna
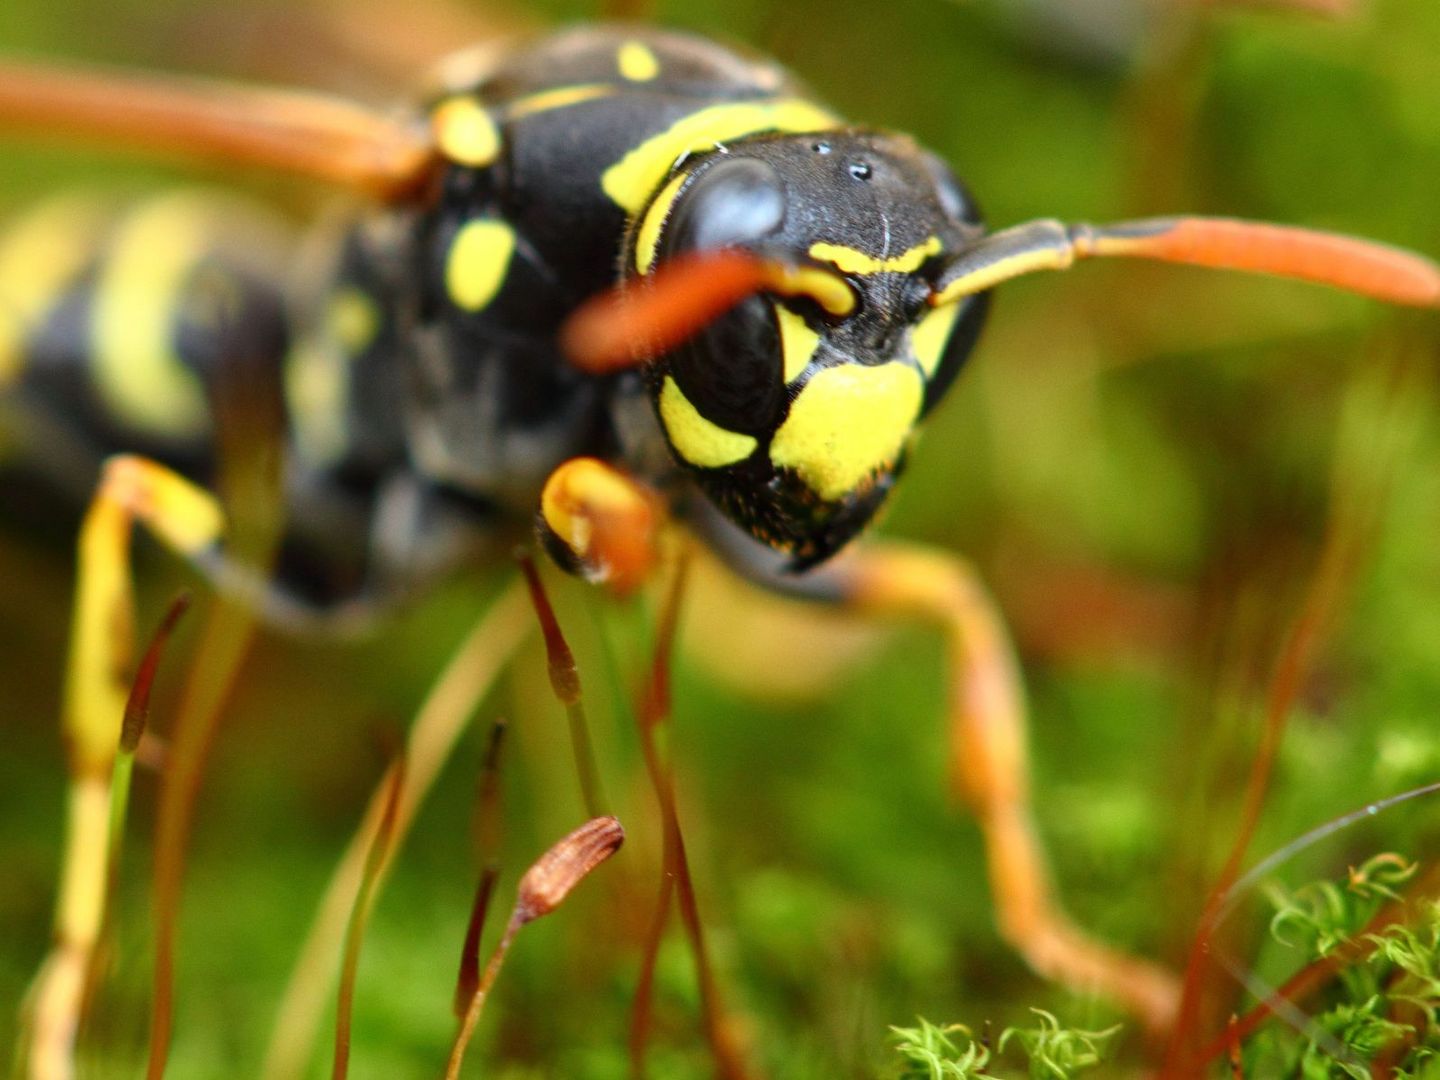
[(307, 134), (1359, 266), (642, 318)]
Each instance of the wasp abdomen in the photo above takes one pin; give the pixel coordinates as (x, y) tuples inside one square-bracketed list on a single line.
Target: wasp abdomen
[(123, 322)]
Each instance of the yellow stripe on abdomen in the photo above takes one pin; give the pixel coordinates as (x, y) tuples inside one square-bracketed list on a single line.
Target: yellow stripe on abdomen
[(139, 375), (41, 257)]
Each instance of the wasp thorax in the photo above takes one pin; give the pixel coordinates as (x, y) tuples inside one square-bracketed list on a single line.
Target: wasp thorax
[(792, 412)]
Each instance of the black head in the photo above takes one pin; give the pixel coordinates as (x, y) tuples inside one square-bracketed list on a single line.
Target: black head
[(794, 413)]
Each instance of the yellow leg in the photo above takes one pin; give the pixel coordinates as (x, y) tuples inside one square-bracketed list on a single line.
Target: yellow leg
[(990, 762), (733, 630), (97, 684)]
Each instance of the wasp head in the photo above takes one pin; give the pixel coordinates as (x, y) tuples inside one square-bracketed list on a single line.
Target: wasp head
[(795, 409)]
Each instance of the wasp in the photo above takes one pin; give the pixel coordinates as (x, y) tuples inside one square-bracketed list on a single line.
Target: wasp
[(619, 279)]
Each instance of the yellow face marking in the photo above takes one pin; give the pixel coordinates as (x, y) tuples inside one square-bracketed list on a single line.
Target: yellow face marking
[(647, 238), (632, 179), (831, 291), (478, 262), (697, 440), (558, 98), (853, 261), (931, 334), (40, 257), (797, 342), (636, 62), (465, 133), (847, 423), (139, 375)]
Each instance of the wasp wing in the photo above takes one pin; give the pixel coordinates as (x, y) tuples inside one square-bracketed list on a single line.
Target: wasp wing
[(307, 134)]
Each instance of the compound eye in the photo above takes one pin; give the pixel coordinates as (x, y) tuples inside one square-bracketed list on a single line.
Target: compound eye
[(739, 202), (955, 199), (731, 370), (735, 202), (944, 339)]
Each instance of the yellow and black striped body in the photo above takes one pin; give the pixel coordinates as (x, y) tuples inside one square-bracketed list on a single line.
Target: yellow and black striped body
[(427, 397), (554, 156), (120, 319), (127, 324), (603, 153)]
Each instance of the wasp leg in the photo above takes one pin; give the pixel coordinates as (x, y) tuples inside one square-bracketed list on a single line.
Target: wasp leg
[(882, 583), (97, 684), (991, 766), (597, 522), (733, 628)]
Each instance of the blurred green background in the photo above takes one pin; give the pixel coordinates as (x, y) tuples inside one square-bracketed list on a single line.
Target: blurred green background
[(1142, 463)]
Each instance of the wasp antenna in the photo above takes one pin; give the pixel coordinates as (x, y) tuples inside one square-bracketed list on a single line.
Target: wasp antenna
[(639, 319), (1360, 266), (642, 318), (308, 134)]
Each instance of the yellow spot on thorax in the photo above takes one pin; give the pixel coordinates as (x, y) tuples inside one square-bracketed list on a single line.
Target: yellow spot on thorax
[(847, 423), (465, 132), (352, 319), (558, 98), (478, 261), (138, 372), (318, 374), (647, 237), (40, 258), (632, 179), (636, 62), (930, 336), (853, 261), (697, 440), (797, 342), (317, 392)]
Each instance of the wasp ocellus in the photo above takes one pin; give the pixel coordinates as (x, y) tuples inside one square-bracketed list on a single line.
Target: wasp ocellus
[(617, 279)]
